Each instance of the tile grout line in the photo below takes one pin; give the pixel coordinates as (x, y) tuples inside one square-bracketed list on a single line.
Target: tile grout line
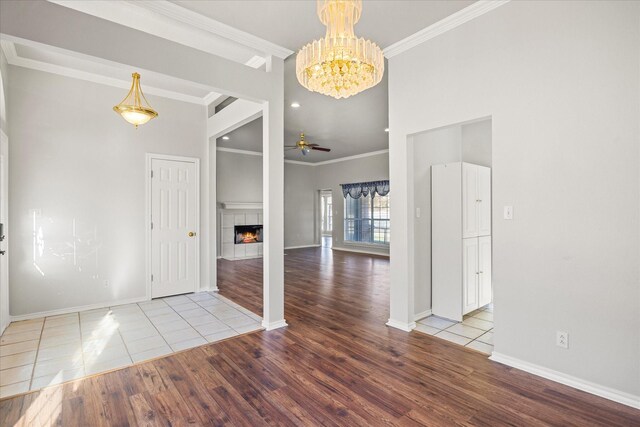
[(37, 353), (154, 327)]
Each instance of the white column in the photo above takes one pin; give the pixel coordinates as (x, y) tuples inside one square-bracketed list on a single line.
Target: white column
[(213, 215), (273, 201), (401, 247)]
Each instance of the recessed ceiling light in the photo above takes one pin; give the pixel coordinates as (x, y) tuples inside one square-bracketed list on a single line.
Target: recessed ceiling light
[(226, 138), (295, 105), (386, 129)]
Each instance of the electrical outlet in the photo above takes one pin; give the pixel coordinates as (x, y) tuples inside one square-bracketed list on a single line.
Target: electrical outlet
[(106, 283), (562, 339)]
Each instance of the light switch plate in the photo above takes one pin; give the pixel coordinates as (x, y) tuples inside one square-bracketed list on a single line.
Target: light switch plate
[(508, 212)]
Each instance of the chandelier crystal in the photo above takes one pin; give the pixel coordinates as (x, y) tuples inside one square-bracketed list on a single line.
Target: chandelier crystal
[(132, 108), (340, 64)]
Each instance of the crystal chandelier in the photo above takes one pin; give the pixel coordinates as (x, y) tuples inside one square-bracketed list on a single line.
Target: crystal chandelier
[(340, 64), (132, 108)]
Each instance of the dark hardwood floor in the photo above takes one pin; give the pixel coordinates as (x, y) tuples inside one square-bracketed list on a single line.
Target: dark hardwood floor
[(335, 364)]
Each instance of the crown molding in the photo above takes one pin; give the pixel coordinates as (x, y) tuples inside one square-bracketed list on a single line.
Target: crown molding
[(176, 20), (212, 26), (449, 23), (357, 156), (237, 151), (18, 61), (298, 162)]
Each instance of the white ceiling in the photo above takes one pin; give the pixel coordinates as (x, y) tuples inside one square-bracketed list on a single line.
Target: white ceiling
[(347, 126), (293, 23)]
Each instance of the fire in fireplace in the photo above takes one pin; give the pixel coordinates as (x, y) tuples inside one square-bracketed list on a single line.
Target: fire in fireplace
[(248, 234)]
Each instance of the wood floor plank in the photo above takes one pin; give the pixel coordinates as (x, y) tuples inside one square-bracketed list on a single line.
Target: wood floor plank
[(336, 364)]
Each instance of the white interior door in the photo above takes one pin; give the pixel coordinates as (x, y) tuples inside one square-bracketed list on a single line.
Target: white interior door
[(4, 239), (470, 273), (174, 238), (484, 278), (484, 206), (469, 200)]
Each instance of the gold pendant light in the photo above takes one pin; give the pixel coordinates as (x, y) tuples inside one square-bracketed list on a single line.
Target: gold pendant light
[(340, 64), (132, 108)]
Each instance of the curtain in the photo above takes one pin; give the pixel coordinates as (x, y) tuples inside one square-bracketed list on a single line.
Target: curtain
[(359, 189)]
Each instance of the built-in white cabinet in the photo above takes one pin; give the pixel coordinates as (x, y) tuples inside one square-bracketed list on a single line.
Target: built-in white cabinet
[(476, 200), (461, 238), (476, 273)]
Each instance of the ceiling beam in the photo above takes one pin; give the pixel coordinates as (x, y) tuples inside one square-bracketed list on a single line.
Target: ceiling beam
[(44, 24), (232, 117)]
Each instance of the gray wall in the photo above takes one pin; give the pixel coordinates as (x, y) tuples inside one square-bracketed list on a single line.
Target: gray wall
[(468, 143), (75, 161), (429, 148), (476, 143), (564, 98), (239, 177), (4, 69), (330, 176), (299, 205)]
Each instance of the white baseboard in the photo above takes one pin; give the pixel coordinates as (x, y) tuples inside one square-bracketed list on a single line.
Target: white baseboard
[(274, 325), (407, 327), (3, 327), (422, 315), (559, 377), (76, 309), (359, 251), (301, 247)]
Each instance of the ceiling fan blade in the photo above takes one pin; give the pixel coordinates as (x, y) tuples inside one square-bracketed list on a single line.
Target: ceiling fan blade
[(312, 145), (290, 148), (321, 149)]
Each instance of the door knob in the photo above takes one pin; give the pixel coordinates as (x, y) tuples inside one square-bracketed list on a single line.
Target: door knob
[(191, 234)]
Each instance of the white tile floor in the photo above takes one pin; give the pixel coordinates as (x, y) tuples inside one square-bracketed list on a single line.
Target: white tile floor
[(475, 331), (46, 351)]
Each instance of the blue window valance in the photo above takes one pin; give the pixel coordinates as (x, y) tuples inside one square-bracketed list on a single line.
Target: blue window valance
[(359, 189)]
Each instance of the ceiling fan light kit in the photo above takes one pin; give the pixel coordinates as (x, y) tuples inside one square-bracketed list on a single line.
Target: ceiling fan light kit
[(339, 65), (304, 147), (135, 108)]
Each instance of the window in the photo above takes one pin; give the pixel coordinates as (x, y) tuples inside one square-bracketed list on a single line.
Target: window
[(366, 220), (326, 212)]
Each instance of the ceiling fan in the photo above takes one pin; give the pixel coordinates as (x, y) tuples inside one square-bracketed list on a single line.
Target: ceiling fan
[(305, 147)]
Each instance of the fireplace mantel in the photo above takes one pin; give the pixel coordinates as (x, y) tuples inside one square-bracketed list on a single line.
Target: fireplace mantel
[(241, 205)]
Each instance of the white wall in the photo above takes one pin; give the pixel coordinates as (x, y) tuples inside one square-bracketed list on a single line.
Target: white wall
[(75, 161), (330, 176), (561, 81)]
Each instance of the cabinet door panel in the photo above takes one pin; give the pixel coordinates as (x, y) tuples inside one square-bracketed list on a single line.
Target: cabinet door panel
[(469, 200), (484, 206), (485, 293), (469, 275)]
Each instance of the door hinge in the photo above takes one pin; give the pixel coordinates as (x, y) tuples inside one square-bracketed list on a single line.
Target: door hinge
[(152, 277), (151, 174), (152, 225)]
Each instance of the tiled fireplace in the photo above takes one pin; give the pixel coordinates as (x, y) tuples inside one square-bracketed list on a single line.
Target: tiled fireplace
[(242, 234)]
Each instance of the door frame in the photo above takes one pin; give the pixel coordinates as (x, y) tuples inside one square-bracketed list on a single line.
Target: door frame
[(149, 157), (5, 310)]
